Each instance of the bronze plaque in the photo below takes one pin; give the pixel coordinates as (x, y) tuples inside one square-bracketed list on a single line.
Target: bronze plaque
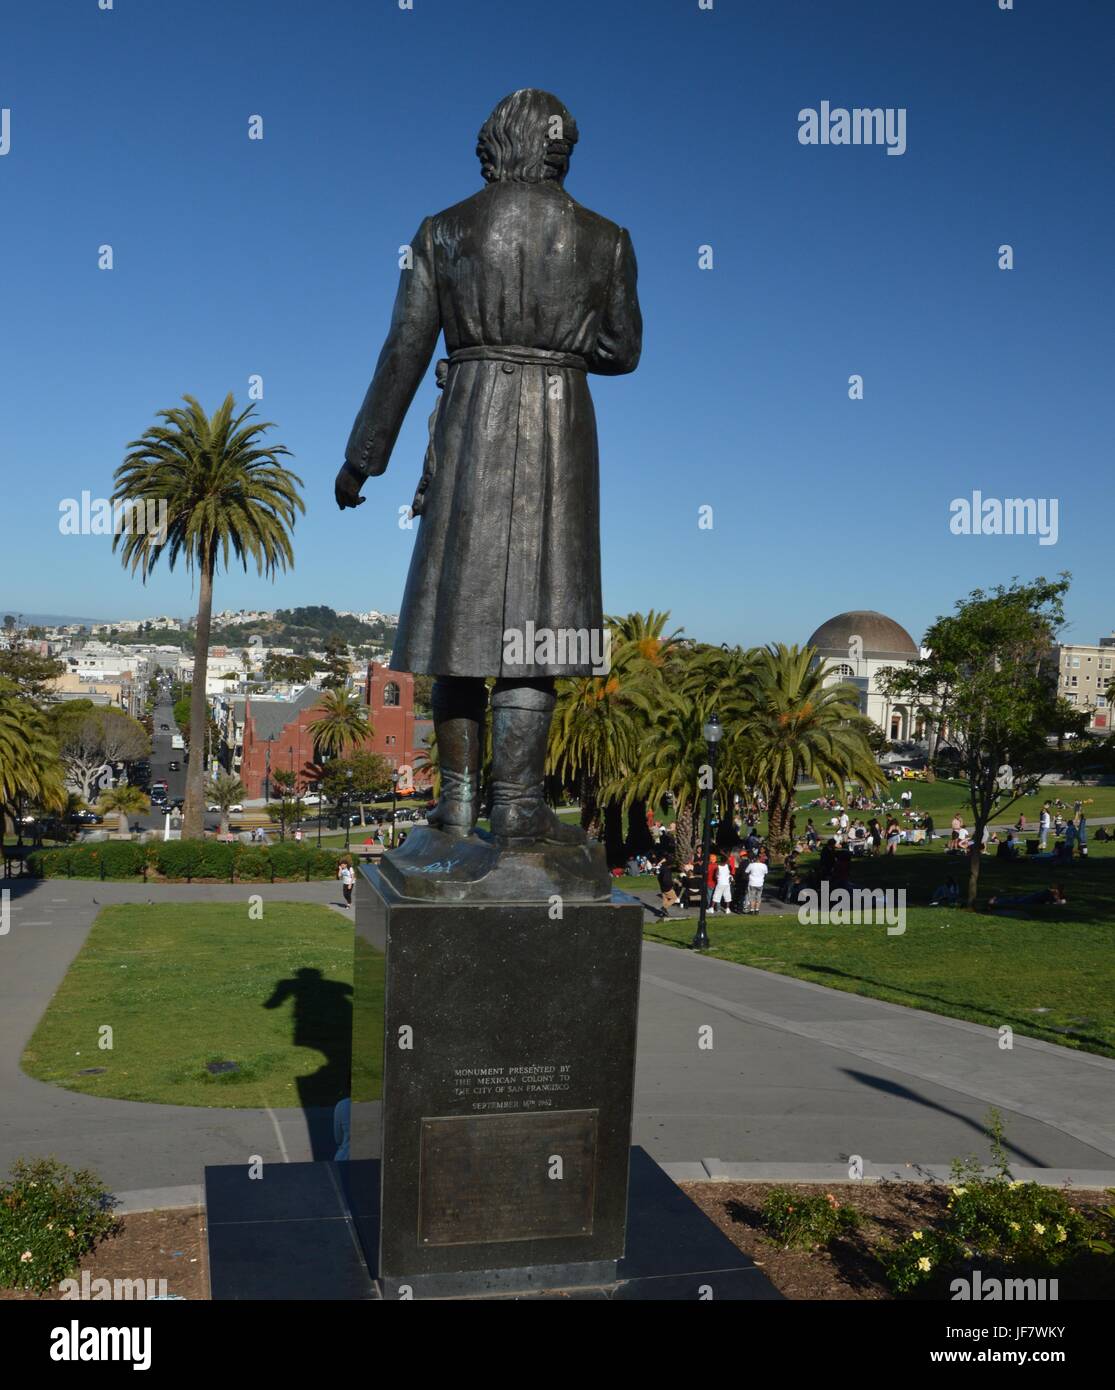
[(490, 1178)]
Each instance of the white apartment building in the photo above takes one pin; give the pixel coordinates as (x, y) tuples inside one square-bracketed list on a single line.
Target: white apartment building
[(1084, 674)]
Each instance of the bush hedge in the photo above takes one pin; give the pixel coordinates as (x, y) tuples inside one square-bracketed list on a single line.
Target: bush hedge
[(50, 1218), (187, 859)]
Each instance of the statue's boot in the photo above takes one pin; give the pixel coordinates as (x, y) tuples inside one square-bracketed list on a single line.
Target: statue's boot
[(521, 715), (459, 705)]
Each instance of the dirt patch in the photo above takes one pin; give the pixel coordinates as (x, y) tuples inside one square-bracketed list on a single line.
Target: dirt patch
[(151, 1245), (851, 1267)]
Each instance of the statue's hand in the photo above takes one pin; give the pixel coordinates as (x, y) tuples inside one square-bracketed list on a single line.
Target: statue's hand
[(347, 487)]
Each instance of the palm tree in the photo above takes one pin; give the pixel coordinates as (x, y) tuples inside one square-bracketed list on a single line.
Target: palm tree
[(30, 768), (598, 724), (125, 801), (225, 792), (342, 723), (225, 493), (671, 754), (646, 658), (722, 679), (799, 726)]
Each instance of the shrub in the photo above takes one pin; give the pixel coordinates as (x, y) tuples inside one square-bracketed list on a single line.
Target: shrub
[(178, 858), (215, 859), (122, 858), (51, 863), (253, 865), (50, 1218), (795, 1218), (300, 861), (1001, 1226)]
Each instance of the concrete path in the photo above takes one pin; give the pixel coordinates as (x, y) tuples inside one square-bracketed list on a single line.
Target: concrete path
[(797, 1081)]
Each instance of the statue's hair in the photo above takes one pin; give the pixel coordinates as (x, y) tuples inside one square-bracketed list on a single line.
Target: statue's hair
[(515, 143)]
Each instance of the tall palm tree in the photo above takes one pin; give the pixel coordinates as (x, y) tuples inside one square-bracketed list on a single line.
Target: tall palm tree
[(225, 495), (597, 727), (671, 754), (225, 791), (799, 726), (722, 679)]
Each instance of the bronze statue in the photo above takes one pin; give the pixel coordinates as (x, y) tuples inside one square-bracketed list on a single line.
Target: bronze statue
[(533, 292)]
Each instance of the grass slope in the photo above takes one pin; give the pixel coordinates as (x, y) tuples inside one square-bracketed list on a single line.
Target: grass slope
[(183, 984), (1046, 972)]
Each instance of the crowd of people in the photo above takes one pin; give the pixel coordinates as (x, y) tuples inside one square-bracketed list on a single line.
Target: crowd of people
[(733, 880)]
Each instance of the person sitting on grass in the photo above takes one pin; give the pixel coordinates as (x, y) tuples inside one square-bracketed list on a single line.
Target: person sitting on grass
[(1043, 897), (1008, 848), (947, 895), (1103, 835)]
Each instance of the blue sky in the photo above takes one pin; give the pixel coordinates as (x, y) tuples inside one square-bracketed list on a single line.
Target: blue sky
[(278, 257)]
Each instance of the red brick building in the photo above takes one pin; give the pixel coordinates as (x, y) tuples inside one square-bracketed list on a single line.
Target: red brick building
[(276, 733)]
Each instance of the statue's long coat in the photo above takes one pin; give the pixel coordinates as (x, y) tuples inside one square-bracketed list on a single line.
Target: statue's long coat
[(510, 528)]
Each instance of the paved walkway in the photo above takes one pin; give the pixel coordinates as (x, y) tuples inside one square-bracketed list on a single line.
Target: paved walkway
[(798, 1080)]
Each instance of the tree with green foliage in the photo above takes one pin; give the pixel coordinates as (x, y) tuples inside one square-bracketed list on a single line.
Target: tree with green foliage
[(224, 791), (991, 676), (798, 726), (298, 670), (341, 723), (336, 663), (288, 809), (28, 670), (124, 801), (226, 495), (370, 777), (92, 738), (30, 767)]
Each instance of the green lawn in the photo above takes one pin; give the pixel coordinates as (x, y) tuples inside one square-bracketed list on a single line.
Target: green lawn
[(184, 984), (989, 968)]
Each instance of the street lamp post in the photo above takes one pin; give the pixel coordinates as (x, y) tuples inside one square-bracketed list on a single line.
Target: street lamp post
[(394, 797), (348, 805), (713, 731)]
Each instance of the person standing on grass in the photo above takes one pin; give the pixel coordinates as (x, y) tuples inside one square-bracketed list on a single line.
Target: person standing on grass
[(756, 873), (1044, 822), (666, 887), (1082, 834), (722, 893), (348, 879)]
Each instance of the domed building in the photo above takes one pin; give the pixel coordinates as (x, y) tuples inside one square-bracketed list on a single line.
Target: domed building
[(856, 646)]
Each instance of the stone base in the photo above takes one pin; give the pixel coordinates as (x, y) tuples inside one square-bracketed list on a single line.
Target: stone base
[(508, 1072), (431, 865), (291, 1235)]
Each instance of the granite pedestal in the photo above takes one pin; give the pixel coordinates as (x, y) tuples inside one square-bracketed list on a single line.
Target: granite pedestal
[(508, 1074)]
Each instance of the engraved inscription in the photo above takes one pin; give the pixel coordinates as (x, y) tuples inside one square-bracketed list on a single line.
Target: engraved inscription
[(490, 1178), (534, 1087)]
